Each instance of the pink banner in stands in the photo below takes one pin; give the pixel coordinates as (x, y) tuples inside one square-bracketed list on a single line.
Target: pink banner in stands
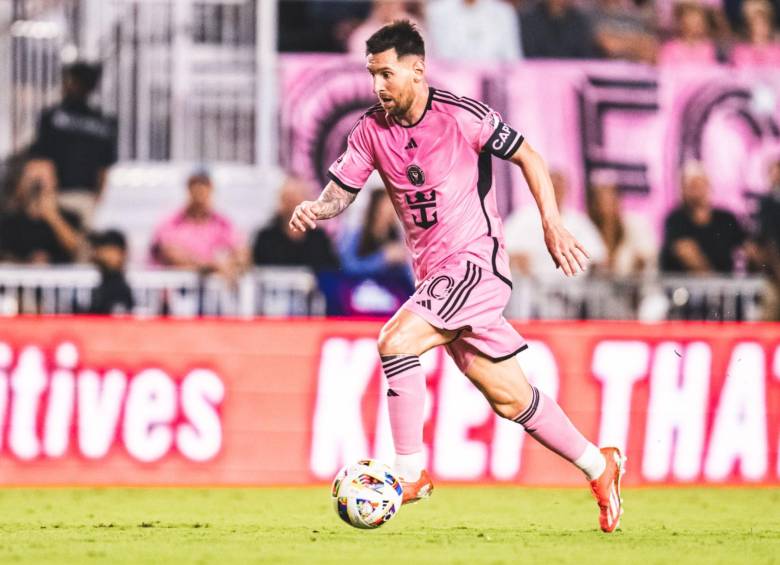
[(638, 122)]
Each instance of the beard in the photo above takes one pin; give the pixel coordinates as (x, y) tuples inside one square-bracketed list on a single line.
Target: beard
[(399, 108)]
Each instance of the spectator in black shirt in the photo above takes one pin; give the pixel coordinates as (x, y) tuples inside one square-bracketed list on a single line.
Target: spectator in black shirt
[(699, 238), (277, 244), (109, 254), (35, 229), (78, 141), (554, 29), (769, 238)]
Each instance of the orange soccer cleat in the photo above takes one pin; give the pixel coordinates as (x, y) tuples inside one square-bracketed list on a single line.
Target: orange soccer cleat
[(418, 490), (606, 489)]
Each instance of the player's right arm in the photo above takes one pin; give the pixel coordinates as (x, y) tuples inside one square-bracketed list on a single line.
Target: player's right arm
[(332, 201), (568, 253), (348, 174)]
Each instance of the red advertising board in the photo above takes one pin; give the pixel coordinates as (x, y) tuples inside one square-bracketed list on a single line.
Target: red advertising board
[(106, 401)]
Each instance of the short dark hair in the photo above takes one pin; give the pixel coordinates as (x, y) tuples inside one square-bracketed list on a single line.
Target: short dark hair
[(111, 237), (85, 74), (401, 35)]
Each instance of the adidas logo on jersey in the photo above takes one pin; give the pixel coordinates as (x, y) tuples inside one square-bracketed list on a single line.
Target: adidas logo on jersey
[(411, 145)]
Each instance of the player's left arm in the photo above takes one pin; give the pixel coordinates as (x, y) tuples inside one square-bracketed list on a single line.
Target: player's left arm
[(566, 251)]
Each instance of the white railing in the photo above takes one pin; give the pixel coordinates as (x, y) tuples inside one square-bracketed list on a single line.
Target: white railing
[(294, 292), (681, 298), (66, 290)]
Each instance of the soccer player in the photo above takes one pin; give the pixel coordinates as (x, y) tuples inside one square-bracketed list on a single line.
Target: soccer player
[(433, 150)]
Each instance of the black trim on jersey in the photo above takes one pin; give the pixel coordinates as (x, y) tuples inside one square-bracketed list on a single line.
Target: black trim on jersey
[(477, 102), (484, 184), (428, 105), (376, 107), (477, 113), (477, 106), (342, 184), (505, 357)]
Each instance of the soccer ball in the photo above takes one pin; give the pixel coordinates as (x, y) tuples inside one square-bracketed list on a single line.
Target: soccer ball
[(366, 494)]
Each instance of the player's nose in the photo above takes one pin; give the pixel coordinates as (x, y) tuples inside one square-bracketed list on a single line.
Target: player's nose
[(378, 85)]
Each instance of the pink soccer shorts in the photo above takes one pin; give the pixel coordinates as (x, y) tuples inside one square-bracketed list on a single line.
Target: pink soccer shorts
[(469, 299)]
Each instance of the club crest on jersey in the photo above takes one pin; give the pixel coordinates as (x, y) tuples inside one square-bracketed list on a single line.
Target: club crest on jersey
[(415, 175), (425, 205)]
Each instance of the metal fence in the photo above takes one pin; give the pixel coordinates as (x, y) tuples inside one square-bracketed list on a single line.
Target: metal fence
[(294, 292), (652, 299), (67, 290)]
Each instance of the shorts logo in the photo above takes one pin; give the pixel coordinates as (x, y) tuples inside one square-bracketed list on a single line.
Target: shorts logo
[(425, 204), (440, 287), (415, 175)]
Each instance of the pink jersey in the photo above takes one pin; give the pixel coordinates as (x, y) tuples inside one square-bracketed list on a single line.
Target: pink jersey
[(439, 175)]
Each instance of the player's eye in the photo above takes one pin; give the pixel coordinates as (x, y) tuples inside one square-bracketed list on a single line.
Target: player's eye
[(386, 74)]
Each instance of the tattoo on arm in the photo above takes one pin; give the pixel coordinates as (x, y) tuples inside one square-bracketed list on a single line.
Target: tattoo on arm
[(333, 201)]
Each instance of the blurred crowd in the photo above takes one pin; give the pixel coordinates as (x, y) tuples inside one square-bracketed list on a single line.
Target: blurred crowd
[(740, 32)]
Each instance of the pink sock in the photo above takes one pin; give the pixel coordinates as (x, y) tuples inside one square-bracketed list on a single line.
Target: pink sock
[(405, 401), (544, 420)]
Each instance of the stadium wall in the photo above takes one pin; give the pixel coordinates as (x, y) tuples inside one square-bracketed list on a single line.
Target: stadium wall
[(97, 401)]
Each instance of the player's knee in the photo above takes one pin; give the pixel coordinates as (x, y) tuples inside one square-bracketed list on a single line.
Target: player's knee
[(509, 410), (394, 340)]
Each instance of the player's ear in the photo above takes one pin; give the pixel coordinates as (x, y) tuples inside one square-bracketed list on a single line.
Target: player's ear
[(418, 68)]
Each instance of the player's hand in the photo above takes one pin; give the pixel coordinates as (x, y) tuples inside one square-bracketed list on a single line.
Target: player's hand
[(305, 216), (567, 252)]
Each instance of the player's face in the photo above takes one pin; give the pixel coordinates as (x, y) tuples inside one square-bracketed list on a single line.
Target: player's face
[(394, 79)]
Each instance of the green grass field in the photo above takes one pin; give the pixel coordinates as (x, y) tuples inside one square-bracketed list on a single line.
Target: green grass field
[(458, 525)]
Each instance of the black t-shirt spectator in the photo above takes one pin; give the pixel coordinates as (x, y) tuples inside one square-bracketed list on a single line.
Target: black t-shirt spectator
[(79, 140), (113, 295), (567, 37), (769, 219), (717, 240), (21, 237), (313, 250)]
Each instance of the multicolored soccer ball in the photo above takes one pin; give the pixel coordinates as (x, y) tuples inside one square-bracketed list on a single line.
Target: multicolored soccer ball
[(366, 494)]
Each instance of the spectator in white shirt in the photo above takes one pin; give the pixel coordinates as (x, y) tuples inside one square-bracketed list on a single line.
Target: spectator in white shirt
[(473, 30), (631, 244), (525, 240)]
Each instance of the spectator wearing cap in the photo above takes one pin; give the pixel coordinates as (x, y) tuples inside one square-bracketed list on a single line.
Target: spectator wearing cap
[(197, 237), (631, 246), (698, 237), (109, 254), (761, 47), (277, 244), (77, 142)]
